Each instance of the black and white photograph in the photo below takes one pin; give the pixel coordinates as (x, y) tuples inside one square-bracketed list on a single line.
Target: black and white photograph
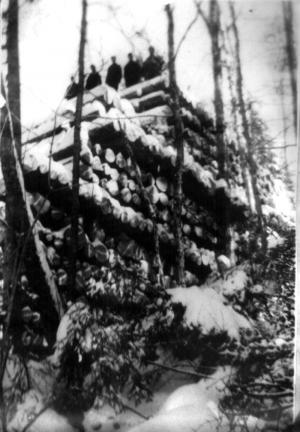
[(148, 173)]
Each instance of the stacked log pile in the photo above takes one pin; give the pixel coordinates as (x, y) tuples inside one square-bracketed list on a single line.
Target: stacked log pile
[(115, 223)]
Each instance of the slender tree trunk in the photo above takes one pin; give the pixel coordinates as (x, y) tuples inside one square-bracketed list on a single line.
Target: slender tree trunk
[(213, 23), (287, 7), (215, 32), (13, 70), (236, 125), (22, 249), (285, 127), (246, 133), (179, 144), (76, 153)]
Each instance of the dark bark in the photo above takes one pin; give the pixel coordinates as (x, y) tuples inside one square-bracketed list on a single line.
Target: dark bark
[(236, 128), (246, 133), (22, 250), (215, 31), (76, 153), (285, 128), (213, 23), (287, 7), (13, 70), (179, 144)]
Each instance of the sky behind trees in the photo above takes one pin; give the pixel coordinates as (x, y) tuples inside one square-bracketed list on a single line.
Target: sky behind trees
[(49, 37)]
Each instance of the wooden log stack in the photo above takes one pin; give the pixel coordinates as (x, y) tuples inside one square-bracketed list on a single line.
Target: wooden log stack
[(116, 225)]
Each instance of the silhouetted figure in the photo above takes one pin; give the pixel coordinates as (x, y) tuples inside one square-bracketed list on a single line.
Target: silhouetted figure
[(132, 72), (114, 74), (152, 66), (93, 80), (72, 90)]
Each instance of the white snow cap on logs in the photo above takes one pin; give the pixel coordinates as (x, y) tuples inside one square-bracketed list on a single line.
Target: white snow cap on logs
[(132, 130), (224, 262), (127, 108), (94, 107), (67, 108), (221, 184)]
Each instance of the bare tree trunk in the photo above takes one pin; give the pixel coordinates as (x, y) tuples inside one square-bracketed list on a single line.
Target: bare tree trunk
[(285, 128), (179, 144), (13, 70), (215, 31), (213, 23), (236, 124), (246, 133), (287, 7), (76, 153), (22, 249)]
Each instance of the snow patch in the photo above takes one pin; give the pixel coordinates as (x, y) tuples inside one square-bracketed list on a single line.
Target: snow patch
[(48, 421), (205, 308)]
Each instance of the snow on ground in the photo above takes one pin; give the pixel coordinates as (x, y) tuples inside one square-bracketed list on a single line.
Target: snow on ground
[(274, 240), (281, 203), (48, 421), (234, 282), (206, 308)]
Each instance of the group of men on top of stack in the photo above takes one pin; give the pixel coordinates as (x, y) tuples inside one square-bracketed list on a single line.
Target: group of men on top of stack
[(133, 73)]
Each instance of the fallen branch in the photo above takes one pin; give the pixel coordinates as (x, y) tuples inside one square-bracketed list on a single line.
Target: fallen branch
[(180, 371), (270, 395)]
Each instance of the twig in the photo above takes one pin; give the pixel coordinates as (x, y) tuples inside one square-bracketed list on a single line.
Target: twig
[(190, 373), (183, 37), (135, 412), (270, 395)]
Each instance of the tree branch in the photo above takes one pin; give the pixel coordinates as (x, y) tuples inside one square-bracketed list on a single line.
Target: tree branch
[(183, 37), (202, 14)]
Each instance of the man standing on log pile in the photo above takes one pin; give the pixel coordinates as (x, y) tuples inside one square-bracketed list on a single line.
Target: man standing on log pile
[(132, 72), (93, 80), (72, 90), (152, 66), (114, 74)]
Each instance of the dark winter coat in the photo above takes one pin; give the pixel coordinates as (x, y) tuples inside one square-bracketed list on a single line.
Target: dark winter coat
[(132, 73), (72, 91), (152, 67), (114, 75), (93, 80)]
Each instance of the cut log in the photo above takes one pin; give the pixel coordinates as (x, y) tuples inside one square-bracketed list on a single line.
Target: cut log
[(126, 195), (117, 211), (114, 174), (163, 199), (112, 187), (187, 229), (123, 180), (198, 231), (52, 257), (81, 237), (106, 206), (136, 199), (162, 184), (40, 204), (131, 185), (109, 156), (96, 164), (120, 161), (165, 215), (100, 252), (97, 149)]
